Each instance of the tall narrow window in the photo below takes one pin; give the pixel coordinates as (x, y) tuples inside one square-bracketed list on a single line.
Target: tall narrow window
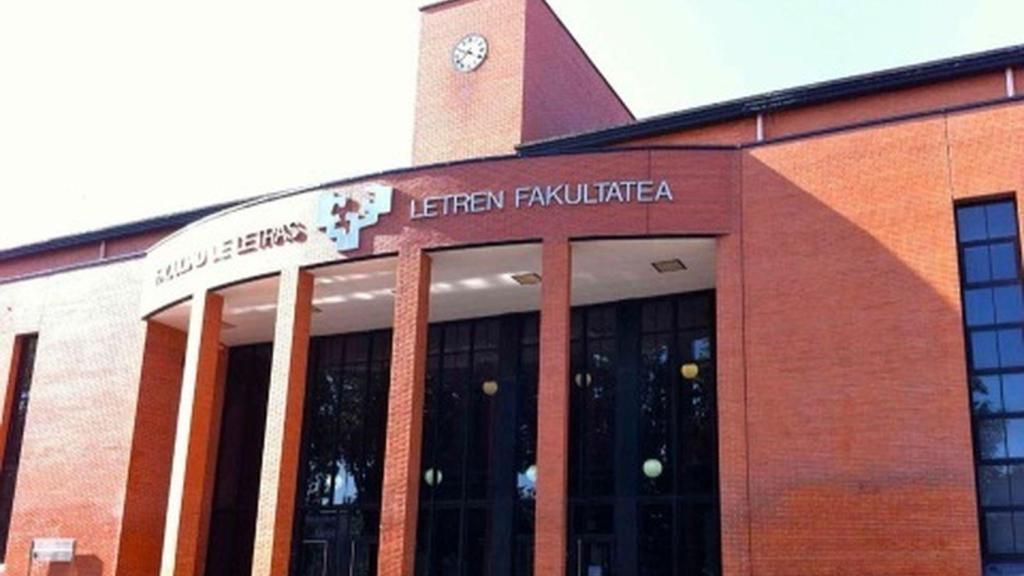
[(990, 276), (12, 447), (479, 447), (643, 474), (338, 510)]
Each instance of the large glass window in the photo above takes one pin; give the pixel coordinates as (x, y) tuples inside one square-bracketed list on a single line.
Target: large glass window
[(643, 496), (642, 468), (993, 314), (343, 454), (478, 473), (12, 447)]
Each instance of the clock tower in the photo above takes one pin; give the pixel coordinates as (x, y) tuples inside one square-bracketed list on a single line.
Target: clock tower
[(496, 73)]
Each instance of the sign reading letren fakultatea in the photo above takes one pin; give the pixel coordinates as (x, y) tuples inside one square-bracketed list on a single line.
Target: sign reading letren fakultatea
[(543, 196)]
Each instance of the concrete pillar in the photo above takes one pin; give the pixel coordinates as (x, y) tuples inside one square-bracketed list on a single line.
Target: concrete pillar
[(551, 535), (400, 500), (283, 437), (195, 445)]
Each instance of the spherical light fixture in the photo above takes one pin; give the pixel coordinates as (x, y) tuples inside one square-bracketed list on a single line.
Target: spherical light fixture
[(689, 370), (531, 473), (432, 477), (490, 387), (653, 468), (583, 380)]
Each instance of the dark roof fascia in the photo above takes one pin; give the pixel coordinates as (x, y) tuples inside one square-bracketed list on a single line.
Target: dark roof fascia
[(818, 93), (73, 267), (175, 220)]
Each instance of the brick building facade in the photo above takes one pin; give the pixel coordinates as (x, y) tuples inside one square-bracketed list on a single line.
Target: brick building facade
[(777, 335)]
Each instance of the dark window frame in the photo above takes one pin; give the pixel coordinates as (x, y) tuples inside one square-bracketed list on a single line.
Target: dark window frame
[(979, 417), (625, 506), (501, 505), (26, 348), (327, 353)]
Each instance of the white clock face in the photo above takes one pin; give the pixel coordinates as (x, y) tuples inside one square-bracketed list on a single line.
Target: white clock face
[(469, 53)]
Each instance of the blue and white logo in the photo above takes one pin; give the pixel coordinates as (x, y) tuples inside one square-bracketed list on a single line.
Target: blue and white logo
[(343, 215)]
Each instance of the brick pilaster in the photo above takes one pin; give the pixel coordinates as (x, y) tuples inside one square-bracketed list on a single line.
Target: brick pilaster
[(732, 407), (283, 436), (149, 469), (195, 445), (553, 409), (400, 500)]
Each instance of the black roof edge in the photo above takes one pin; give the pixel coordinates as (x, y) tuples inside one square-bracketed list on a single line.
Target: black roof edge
[(809, 94), (431, 5), (176, 219)]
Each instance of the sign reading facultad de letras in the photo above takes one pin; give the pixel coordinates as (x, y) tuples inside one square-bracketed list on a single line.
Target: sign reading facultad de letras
[(238, 246), (542, 196), (341, 215)]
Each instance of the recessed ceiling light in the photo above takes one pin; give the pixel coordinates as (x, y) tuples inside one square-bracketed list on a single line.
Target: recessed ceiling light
[(674, 265), (526, 278)]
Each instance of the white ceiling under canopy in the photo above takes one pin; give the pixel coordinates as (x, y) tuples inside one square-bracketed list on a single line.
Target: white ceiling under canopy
[(357, 296)]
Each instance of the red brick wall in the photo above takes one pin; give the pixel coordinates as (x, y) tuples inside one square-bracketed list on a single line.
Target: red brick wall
[(731, 393), (844, 411), (551, 532), (461, 115), (402, 451), (78, 436), (979, 88), (149, 471), (985, 87), (563, 92), (860, 458), (536, 82), (987, 151)]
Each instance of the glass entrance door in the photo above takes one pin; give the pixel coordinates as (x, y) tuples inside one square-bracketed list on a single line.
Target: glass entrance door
[(333, 546), (361, 558)]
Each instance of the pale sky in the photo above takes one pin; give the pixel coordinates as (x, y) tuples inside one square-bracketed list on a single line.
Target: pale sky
[(118, 110)]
